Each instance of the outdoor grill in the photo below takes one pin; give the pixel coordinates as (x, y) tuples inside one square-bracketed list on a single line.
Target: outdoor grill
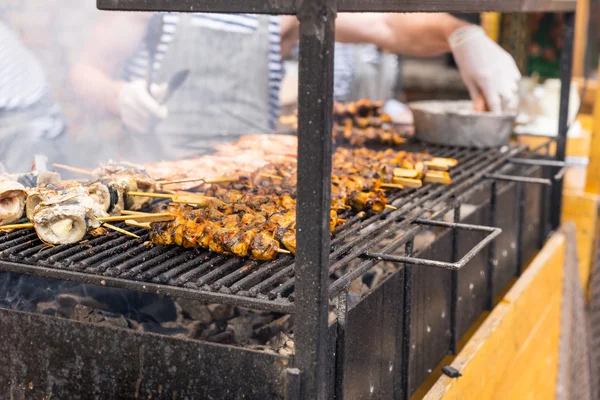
[(384, 345)]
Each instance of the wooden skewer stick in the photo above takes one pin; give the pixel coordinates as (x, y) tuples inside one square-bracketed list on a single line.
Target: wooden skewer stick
[(130, 222), (161, 217), (17, 226), (123, 231), (131, 212), (270, 176), (391, 207), (341, 220), (223, 179), (154, 195), (282, 251), (187, 180), (72, 169)]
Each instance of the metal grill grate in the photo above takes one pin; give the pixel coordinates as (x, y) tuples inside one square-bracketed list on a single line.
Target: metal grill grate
[(128, 263)]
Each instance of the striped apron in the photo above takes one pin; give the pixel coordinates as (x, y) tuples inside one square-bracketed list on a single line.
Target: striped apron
[(226, 93)]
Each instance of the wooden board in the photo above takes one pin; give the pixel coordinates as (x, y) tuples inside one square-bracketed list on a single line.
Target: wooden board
[(514, 354), (593, 175), (582, 209)]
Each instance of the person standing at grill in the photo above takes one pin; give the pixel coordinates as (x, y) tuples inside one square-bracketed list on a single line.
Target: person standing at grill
[(236, 70), (30, 121)]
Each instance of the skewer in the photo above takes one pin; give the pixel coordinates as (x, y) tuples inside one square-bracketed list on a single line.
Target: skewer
[(123, 231), (17, 226), (391, 207), (131, 212), (161, 217), (73, 169), (154, 195), (270, 176), (144, 225), (187, 180), (282, 251)]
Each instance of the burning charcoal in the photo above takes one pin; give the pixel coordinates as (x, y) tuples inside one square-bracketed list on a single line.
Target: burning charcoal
[(165, 329), (195, 310), (266, 332), (260, 347), (86, 314), (66, 303), (278, 342), (241, 329), (221, 312), (286, 352), (183, 330), (223, 338), (47, 308)]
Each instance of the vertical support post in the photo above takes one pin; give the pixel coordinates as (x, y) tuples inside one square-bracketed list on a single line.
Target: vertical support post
[(454, 286), (492, 261), (406, 325), (520, 223), (543, 218), (315, 104), (566, 67), (340, 351)]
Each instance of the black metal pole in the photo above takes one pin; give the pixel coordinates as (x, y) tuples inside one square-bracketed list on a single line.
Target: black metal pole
[(315, 104), (406, 326), (519, 228), (454, 288), (492, 261), (566, 67), (340, 351)]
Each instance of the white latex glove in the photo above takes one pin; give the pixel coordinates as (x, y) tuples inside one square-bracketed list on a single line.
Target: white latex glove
[(140, 110), (486, 68)]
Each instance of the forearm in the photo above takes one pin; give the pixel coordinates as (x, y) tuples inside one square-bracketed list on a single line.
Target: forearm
[(412, 34), (95, 88)]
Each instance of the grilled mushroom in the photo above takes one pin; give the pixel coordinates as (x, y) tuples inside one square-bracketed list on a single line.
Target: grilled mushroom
[(12, 201)]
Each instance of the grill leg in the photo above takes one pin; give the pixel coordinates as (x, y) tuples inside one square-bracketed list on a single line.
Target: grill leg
[(566, 67), (315, 98), (407, 326), (454, 289)]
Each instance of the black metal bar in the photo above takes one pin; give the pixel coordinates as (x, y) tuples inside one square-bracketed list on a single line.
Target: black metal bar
[(407, 324), (454, 287), (289, 6), (292, 378), (519, 227), (566, 67), (543, 226), (493, 233), (538, 162), (564, 166), (315, 104), (522, 179), (492, 261), (340, 351)]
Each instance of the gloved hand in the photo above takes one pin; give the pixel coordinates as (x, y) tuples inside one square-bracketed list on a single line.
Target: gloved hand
[(141, 111), (486, 68)]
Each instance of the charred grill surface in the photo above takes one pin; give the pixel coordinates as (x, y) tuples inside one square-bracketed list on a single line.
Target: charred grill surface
[(128, 263)]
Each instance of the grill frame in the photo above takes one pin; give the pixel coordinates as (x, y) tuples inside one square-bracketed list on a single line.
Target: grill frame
[(317, 19), (123, 262)]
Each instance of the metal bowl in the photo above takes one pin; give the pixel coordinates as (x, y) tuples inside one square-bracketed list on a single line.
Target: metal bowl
[(455, 123)]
